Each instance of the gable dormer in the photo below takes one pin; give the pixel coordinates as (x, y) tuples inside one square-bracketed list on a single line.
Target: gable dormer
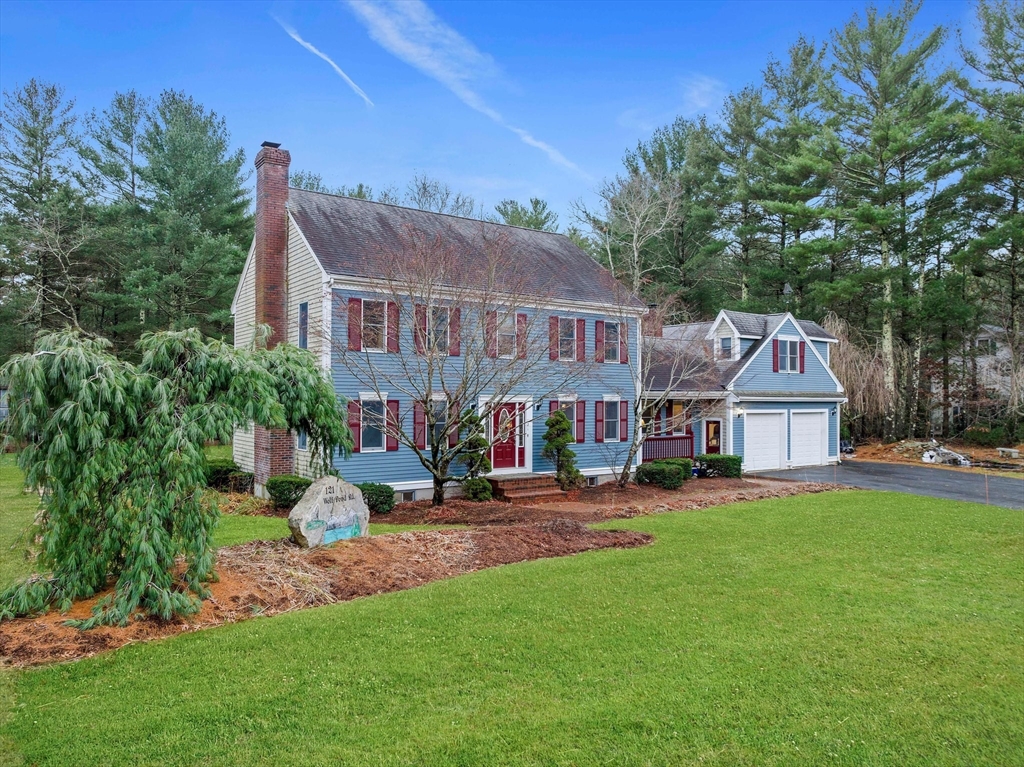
[(785, 360)]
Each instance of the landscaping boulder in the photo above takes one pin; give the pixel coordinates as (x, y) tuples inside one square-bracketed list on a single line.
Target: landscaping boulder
[(330, 510)]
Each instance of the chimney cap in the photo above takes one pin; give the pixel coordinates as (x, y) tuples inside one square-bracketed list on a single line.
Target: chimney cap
[(271, 144)]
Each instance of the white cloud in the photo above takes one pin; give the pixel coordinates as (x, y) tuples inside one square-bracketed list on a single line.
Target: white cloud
[(409, 30), (309, 47), (695, 95), (700, 93)]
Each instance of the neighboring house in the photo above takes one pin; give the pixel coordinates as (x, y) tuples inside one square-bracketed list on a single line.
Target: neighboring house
[(768, 395), (979, 380), (315, 274)]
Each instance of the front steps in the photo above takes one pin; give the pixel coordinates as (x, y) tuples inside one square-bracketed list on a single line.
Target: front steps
[(526, 489)]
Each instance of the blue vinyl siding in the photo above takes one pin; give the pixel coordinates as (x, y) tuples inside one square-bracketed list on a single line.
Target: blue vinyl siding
[(759, 376), (822, 348), (403, 466), (745, 344)]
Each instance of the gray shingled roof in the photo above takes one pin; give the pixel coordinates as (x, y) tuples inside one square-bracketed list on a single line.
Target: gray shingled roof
[(759, 325), (358, 238)]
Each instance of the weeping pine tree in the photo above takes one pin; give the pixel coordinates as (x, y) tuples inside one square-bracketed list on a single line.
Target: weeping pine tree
[(117, 450)]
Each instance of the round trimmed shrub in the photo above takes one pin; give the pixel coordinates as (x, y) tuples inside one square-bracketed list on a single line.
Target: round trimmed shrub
[(477, 489), (660, 474), (286, 490), (378, 496)]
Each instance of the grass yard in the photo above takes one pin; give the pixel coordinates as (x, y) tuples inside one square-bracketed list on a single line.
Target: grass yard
[(842, 628)]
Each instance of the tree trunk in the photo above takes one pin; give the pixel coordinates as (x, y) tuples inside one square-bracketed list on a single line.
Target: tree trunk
[(438, 499), (888, 349)]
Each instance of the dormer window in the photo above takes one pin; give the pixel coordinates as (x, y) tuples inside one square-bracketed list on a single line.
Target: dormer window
[(725, 350)]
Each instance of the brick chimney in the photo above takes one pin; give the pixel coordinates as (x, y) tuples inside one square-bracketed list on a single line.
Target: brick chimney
[(274, 451)]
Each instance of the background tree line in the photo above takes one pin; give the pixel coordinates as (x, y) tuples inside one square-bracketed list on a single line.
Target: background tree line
[(862, 182)]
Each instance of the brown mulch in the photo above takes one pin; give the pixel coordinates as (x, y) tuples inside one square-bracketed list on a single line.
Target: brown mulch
[(266, 578), (909, 451), (607, 501)]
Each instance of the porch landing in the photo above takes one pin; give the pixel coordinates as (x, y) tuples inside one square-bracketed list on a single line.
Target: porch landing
[(526, 488)]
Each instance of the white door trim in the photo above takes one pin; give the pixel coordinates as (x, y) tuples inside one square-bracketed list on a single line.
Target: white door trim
[(824, 434), (527, 400), (784, 435)]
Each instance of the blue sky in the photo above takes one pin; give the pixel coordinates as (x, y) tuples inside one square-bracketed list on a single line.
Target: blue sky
[(499, 99)]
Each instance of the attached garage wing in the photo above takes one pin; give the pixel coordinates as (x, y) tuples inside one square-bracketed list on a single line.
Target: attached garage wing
[(765, 441), (809, 438)]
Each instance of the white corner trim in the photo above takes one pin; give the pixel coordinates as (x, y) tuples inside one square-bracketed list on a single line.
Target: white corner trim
[(245, 271)]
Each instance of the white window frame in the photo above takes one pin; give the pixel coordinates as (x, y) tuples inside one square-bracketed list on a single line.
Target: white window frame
[(384, 328), (722, 354), (571, 357), (608, 400), (432, 328), (367, 398), (446, 407), (298, 325), (791, 343), (611, 351), (300, 438), (503, 330)]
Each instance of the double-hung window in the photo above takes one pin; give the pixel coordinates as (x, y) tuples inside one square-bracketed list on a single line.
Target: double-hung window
[(725, 348), (569, 408), (789, 356), (371, 427), (375, 326), (507, 338), (566, 339), (304, 325), (611, 420), (438, 329), (439, 411), (611, 342)]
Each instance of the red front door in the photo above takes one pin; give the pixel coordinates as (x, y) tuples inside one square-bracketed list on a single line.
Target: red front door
[(503, 431), (712, 436)]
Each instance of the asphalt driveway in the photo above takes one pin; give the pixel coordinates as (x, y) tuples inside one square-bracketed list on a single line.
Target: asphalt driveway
[(918, 480)]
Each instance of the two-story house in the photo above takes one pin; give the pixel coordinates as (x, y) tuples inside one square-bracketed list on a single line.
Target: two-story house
[(328, 273), (766, 392)]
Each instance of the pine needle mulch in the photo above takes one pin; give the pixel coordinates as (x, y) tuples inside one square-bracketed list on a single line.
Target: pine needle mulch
[(268, 578)]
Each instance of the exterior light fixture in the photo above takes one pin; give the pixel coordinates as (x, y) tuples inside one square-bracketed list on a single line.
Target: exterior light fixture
[(739, 412), (834, 410)]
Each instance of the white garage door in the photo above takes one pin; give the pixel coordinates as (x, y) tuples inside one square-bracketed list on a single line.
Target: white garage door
[(764, 441), (808, 438)]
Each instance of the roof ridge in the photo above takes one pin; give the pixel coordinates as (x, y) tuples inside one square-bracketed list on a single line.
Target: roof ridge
[(428, 212)]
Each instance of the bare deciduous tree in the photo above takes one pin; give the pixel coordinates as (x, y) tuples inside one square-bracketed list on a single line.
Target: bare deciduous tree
[(463, 335)]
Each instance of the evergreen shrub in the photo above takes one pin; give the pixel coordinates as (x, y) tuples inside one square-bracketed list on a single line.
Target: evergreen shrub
[(219, 471), (477, 489), (715, 465), (380, 498), (286, 490), (660, 474)]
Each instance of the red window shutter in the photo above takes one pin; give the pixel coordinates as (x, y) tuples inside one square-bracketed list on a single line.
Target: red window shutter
[(623, 420), (454, 415), (491, 333), (599, 421), (393, 328), (623, 343), (355, 324), (553, 337), (581, 340), (354, 417), (775, 355), (420, 331), (599, 341), (419, 425), (581, 421), (521, 336), (803, 349), (552, 406), (393, 425), (455, 332)]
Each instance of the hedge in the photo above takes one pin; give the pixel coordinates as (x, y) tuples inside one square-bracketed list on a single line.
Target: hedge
[(287, 489), (380, 498), (477, 489), (715, 465), (661, 474), (684, 463), (240, 481), (219, 471)]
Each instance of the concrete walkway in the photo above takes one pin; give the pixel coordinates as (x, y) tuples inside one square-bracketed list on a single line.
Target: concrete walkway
[(917, 480)]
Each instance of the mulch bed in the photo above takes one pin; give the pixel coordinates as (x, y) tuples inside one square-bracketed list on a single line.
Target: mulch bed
[(607, 501), (267, 578)]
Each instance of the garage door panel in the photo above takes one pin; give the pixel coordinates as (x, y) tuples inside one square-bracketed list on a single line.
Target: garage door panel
[(764, 441), (808, 438)]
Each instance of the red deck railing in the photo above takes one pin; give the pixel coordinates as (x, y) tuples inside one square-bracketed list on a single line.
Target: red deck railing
[(676, 446)]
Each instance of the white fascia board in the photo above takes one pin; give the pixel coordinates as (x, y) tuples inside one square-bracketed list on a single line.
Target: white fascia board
[(655, 394), (804, 336), (241, 278), (606, 310), (840, 399)]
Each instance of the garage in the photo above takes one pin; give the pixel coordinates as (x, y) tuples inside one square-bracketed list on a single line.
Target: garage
[(765, 441), (809, 438)]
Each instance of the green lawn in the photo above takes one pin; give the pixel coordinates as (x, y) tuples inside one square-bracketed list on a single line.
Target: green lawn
[(852, 628)]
